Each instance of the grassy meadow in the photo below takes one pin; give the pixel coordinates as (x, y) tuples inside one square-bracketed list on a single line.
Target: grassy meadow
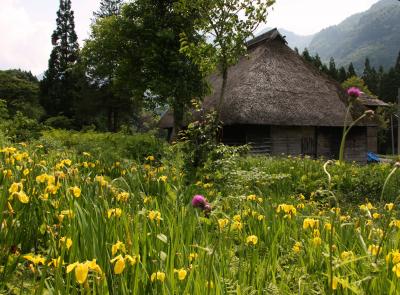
[(101, 214)]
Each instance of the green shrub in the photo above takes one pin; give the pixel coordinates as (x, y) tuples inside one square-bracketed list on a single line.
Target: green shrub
[(197, 143), (60, 122), (106, 145), (352, 183)]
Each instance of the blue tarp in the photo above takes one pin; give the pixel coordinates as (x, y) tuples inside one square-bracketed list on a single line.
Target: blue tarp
[(373, 158)]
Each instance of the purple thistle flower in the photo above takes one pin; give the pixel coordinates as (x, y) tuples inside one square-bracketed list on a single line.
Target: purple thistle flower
[(199, 201), (354, 92)]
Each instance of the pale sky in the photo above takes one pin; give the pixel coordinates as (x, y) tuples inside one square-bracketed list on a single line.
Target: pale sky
[(26, 25)]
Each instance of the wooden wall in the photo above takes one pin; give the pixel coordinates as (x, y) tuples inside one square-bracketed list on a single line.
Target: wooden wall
[(356, 145), (328, 142), (372, 139), (329, 139), (295, 140)]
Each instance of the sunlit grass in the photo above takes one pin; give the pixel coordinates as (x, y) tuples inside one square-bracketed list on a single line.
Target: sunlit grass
[(73, 223)]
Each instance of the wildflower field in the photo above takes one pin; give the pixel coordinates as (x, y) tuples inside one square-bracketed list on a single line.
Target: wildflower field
[(75, 222)]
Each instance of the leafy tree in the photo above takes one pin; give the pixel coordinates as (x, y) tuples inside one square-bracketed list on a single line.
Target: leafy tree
[(109, 8), (21, 92), (230, 23), (104, 59), (351, 72), (138, 54), (58, 86), (171, 77)]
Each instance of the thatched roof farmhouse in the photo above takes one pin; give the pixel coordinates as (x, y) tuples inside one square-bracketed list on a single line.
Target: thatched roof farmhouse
[(281, 104)]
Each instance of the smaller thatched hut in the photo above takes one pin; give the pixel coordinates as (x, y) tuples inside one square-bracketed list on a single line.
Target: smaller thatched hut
[(280, 104)]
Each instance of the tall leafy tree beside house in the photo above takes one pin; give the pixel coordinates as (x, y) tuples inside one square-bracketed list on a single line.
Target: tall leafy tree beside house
[(230, 23), (170, 76), (138, 54), (101, 59), (58, 86)]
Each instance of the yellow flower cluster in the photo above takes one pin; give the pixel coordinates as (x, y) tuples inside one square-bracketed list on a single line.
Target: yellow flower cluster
[(297, 247), (254, 198), (117, 212), (252, 240), (154, 215), (16, 190), (158, 276), (374, 250), (289, 210), (310, 223), (222, 223)]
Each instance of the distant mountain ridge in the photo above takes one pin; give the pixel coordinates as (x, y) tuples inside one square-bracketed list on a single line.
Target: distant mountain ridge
[(374, 33)]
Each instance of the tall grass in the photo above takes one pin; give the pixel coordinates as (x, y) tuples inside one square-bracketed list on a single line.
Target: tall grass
[(278, 234)]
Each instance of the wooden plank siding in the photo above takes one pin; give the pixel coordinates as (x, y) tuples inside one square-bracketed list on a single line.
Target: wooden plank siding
[(356, 145), (316, 142), (372, 139)]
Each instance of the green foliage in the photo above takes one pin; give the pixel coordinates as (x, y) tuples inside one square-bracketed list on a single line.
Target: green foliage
[(58, 87), (356, 82), (219, 18), (109, 8), (199, 144), (3, 110), (21, 92), (59, 122), (112, 146), (277, 230), (150, 71), (389, 84), (370, 77), (230, 23), (17, 128), (114, 95), (351, 72), (22, 128)]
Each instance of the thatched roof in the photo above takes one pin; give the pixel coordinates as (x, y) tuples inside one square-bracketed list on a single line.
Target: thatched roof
[(273, 85), (371, 101)]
